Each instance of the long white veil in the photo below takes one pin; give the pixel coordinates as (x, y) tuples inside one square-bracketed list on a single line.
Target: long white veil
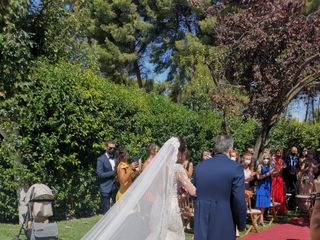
[(143, 211)]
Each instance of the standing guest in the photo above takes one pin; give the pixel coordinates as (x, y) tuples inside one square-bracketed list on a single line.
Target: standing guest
[(187, 164), (152, 150), (292, 162), (105, 172), (125, 172), (234, 155), (315, 218), (290, 175), (206, 155), (263, 192), (277, 187), (220, 203), (248, 170), (306, 175), (250, 149)]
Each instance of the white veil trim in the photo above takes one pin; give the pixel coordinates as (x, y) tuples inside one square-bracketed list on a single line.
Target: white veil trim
[(143, 211)]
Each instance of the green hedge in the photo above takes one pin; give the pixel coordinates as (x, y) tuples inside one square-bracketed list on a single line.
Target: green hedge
[(64, 118), (66, 114), (292, 132)]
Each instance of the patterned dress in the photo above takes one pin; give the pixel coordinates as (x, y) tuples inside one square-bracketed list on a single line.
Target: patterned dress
[(264, 189)]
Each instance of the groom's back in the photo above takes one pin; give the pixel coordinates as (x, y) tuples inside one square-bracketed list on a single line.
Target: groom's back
[(214, 177)]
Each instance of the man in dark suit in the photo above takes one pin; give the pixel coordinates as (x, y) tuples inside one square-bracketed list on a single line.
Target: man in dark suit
[(105, 172), (220, 204), (290, 175)]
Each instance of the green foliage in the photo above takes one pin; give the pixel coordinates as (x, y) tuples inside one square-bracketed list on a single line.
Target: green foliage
[(65, 117), (292, 132)]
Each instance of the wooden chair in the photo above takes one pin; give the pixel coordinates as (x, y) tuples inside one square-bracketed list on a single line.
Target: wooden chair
[(274, 209), (253, 214), (186, 204)]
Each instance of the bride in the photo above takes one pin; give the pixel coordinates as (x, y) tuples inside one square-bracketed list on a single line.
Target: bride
[(149, 208)]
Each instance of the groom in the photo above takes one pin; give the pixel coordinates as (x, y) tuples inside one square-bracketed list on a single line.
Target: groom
[(220, 204)]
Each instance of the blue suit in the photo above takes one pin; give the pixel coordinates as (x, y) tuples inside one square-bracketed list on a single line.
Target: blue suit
[(106, 181), (220, 203)]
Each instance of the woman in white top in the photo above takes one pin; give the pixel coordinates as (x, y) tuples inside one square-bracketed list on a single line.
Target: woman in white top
[(248, 170)]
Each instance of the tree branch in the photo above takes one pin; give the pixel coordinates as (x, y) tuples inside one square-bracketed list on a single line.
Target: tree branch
[(310, 59)]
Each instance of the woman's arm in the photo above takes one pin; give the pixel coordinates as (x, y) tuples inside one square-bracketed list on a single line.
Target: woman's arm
[(184, 180), (125, 173), (190, 170), (262, 176)]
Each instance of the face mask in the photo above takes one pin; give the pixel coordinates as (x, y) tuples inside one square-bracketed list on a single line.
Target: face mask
[(247, 162), (265, 161), (233, 158)]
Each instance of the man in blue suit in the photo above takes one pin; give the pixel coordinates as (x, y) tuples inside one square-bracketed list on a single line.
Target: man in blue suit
[(220, 204), (105, 172)]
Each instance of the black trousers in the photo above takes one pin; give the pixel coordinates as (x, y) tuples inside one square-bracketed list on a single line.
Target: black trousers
[(105, 201)]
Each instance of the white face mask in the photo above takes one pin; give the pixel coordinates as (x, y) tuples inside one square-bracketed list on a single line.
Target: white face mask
[(233, 158), (247, 162), (265, 161)]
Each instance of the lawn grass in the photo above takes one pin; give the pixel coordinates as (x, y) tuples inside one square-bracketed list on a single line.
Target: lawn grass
[(77, 228)]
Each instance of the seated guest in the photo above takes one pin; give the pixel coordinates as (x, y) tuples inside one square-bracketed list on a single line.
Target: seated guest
[(125, 172), (277, 187), (263, 192), (152, 150), (248, 170), (187, 164)]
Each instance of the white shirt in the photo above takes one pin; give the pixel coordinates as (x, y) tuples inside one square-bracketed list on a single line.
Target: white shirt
[(247, 173), (111, 160)]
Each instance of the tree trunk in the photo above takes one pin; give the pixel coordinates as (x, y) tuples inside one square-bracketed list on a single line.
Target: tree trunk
[(138, 73), (262, 140)]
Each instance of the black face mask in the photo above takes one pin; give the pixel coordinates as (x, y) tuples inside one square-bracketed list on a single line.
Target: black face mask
[(110, 152), (293, 154)]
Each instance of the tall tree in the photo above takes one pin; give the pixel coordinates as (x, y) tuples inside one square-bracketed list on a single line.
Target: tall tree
[(120, 32), (272, 49)]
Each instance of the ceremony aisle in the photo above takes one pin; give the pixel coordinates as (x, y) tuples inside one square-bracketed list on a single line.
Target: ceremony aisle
[(295, 229)]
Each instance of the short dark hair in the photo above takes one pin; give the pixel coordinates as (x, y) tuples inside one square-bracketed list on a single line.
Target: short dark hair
[(108, 142)]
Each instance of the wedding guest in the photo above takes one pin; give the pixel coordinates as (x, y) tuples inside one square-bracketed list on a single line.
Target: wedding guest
[(250, 149), (187, 164), (306, 175), (263, 192), (289, 173), (248, 170), (152, 150), (206, 155), (105, 171), (315, 218), (277, 187), (125, 171), (234, 155)]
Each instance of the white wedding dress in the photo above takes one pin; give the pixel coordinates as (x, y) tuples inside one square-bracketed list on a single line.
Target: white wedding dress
[(149, 209)]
